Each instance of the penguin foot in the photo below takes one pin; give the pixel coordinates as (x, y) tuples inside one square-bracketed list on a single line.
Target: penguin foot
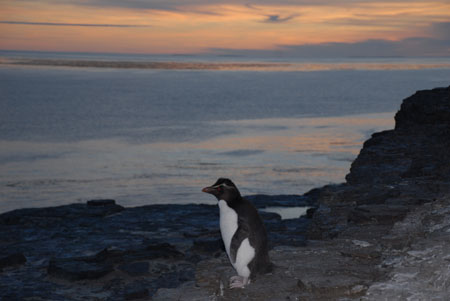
[(239, 282)]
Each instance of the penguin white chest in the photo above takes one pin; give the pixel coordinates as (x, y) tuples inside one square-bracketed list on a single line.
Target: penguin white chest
[(228, 224), (228, 227)]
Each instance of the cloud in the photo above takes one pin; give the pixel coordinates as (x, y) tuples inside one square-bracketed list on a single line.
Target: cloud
[(440, 30), (395, 20), (411, 47), (374, 48), (187, 5), (70, 24), (167, 5), (278, 19)]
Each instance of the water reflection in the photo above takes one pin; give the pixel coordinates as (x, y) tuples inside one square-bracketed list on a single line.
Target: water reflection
[(268, 156), (287, 212)]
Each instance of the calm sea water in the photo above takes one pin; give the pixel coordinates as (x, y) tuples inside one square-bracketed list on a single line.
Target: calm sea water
[(148, 136)]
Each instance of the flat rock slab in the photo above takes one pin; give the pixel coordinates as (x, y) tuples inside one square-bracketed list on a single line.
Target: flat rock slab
[(319, 271), (421, 270)]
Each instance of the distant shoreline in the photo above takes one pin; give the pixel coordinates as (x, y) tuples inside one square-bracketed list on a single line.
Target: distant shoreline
[(231, 66)]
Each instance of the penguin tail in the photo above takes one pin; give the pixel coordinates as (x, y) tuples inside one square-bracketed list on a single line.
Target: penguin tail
[(265, 266)]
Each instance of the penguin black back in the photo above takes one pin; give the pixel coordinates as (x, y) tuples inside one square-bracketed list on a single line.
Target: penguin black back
[(248, 217)]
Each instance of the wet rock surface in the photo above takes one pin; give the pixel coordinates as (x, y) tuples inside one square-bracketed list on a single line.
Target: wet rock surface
[(384, 234)]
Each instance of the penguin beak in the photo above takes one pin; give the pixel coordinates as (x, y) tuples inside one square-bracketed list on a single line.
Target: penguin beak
[(214, 190), (210, 190)]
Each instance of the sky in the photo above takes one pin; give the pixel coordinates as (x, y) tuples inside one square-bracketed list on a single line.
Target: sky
[(291, 28)]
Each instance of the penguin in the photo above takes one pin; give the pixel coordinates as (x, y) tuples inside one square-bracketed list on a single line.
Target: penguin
[(243, 233)]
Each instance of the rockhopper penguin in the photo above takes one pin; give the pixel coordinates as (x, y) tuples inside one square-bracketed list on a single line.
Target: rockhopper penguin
[(243, 233)]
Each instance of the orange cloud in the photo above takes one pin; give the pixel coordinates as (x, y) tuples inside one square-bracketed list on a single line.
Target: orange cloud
[(200, 26)]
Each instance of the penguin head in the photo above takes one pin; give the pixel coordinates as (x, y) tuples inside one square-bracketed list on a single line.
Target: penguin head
[(223, 189)]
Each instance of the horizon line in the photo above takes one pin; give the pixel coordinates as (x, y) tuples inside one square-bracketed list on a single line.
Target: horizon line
[(198, 54)]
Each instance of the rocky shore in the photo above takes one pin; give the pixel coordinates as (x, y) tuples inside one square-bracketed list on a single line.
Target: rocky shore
[(382, 235), (103, 251)]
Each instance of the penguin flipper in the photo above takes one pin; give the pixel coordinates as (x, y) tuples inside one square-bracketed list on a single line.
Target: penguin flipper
[(242, 232)]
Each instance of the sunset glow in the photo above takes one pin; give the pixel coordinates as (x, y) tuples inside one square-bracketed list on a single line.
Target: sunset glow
[(209, 26)]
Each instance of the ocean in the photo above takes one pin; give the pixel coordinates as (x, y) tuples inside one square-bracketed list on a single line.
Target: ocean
[(157, 129)]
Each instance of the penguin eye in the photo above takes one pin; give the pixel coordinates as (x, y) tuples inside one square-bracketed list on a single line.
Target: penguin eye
[(219, 189)]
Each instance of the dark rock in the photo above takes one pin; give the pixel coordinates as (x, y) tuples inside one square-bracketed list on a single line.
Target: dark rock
[(287, 240), (10, 218), (328, 221), (106, 255), (417, 147), (136, 290), (103, 202), (175, 278), (186, 273), (310, 212), (126, 240), (301, 285), (362, 254), (296, 226), (136, 268), (262, 201), (427, 107), (210, 245), (75, 269), (87, 267), (270, 216), (395, 171), (48, 217), (101, 209), (146, 252), (12, 260), (407, 201), (383, 159), (163, 250), (275, 227), (377, 214)]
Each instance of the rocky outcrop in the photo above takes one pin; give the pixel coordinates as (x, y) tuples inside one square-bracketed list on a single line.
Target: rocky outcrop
[(395, 171), (416, 149), (401, 179)]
